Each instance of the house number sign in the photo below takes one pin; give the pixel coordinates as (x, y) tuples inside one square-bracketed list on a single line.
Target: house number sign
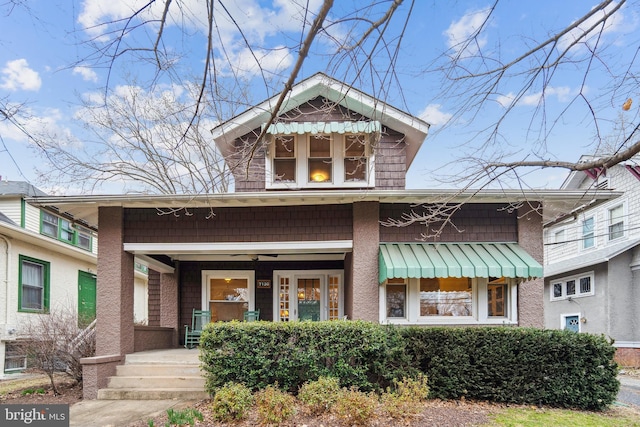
[(264, 284)]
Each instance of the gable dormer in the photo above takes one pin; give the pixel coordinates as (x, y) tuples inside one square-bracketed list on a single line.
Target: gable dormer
[(326, 136)]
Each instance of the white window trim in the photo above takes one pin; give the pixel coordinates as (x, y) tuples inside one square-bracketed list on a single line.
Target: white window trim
[(594, 232), (556, 233), (231, 274), (302, 166), (479, 307), (293, 276), (563, 320), (578, 294), (624, 216)]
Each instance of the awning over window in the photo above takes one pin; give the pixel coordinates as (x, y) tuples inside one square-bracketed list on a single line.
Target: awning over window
[(323, 127), (429, 260)]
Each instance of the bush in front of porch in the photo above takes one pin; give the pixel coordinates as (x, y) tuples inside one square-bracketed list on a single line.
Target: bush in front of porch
[(499, 364), (360, 354)]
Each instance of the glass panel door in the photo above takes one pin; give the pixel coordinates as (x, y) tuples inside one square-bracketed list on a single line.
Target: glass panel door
[(308, 294)]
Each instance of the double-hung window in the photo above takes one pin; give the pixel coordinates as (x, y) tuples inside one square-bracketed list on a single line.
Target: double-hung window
[(49, 224), (616, 222), (284, 159), (34, 285), (588, 233), (320, 159), (355, 158)]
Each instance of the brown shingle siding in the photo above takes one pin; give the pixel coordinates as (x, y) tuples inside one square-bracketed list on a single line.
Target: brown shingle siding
[(278, 223), (474, 222)]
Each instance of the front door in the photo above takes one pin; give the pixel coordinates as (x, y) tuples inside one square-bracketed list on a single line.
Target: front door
[(308, 295), (86, 298), (308, 298), (572, 323)]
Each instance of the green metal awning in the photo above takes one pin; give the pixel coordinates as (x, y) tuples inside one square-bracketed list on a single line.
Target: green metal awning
[(430, 260), (323, 127)]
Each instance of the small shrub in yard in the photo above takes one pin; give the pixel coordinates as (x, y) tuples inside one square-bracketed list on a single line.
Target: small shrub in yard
[(407, 397), (231, 402), (274, 405), (183, 417), (319, 395), (355, 407)]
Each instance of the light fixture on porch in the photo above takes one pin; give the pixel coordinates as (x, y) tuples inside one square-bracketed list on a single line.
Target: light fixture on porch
[(227, 279)]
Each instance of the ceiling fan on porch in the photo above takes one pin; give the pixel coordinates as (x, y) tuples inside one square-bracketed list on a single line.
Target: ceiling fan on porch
[(256, 257)]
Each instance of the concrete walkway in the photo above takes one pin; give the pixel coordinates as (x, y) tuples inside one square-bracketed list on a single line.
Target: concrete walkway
[(629, 393), (119, 413)]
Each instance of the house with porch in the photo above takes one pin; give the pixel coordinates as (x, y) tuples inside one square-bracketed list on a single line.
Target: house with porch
[(303, 238), (592, 261)]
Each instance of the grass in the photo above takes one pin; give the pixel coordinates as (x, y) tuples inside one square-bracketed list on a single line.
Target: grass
[(536, 417)]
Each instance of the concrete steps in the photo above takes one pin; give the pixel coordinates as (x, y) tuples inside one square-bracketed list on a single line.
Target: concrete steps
[(155, 375)]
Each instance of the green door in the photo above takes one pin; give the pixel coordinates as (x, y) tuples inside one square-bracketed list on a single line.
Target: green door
[(86, 298)]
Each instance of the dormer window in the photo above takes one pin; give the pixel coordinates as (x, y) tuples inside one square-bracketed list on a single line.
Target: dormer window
[(284, 159), (320, 155), (320, 158)]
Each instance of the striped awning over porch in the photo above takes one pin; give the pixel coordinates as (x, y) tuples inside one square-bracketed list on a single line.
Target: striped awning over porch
[(430, 260)]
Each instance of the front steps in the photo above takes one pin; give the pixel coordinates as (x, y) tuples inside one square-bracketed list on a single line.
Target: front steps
[(157, 375)]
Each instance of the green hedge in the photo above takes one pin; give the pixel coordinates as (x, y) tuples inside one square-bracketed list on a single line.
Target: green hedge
[(517, 365), (360, 354)]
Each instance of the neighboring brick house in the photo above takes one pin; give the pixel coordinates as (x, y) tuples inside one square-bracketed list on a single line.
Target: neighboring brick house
[(47, 260), (592, 261), (301, 238)]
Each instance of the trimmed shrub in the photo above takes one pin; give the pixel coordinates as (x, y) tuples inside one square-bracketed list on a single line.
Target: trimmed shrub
[(516, 365), (354, 407), (510, 365), (274, 405), (319, 395), (231, 402), (360, 354), (406, 399)]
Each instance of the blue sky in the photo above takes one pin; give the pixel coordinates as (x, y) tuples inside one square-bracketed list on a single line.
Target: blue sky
[(48, 64)]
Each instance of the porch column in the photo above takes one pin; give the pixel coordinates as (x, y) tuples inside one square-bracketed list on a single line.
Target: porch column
[(169, 304), (114, 311), (531, 293), (364, 265)]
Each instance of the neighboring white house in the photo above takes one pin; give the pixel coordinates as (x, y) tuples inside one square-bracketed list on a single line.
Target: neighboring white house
[(48, 259), (592, 261)]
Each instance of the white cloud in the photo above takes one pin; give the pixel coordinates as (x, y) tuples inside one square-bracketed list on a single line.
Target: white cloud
[(87, 74), (257, 20), (616, 23), (563, 94), (245, 64), (459, 32), (18, 76), (433, 115)]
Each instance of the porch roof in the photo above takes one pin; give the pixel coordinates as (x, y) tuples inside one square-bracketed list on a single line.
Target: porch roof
[(556, 202), (430, 260)]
